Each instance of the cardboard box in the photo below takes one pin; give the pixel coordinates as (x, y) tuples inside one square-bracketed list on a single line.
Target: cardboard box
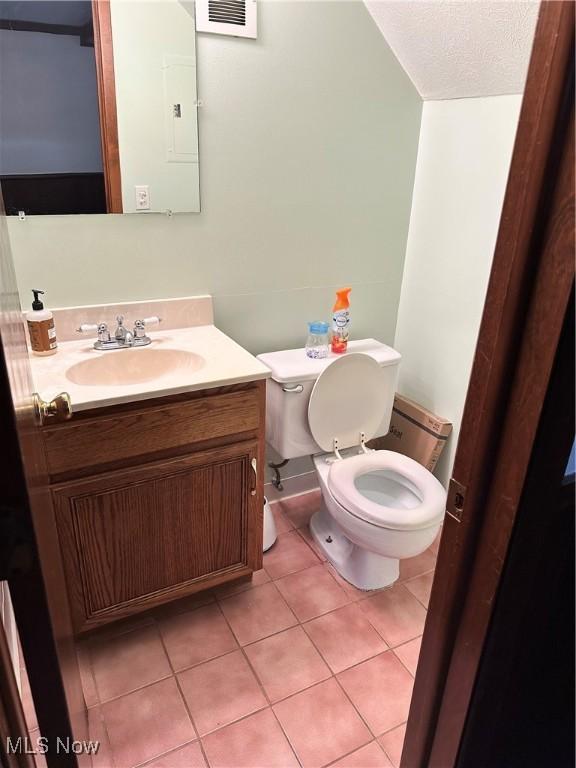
[(415, 432)]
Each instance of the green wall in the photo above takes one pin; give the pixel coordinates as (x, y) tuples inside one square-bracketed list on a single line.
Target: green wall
[(308, 143)]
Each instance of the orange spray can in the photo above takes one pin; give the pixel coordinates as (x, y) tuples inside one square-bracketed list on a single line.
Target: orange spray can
[(341, 321)]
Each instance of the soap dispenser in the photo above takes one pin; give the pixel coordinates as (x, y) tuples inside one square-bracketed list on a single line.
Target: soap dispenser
[(41, 327)]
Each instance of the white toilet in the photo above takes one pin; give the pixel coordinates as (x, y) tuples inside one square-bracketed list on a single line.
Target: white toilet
[(378, 507)]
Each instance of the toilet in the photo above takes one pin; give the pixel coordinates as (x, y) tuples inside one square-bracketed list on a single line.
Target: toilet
[(378, 507)]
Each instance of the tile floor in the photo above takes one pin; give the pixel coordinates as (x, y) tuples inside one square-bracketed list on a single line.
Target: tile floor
[(296, 668)]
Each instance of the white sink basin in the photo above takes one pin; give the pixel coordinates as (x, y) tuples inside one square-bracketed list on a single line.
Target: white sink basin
[(133, 366)]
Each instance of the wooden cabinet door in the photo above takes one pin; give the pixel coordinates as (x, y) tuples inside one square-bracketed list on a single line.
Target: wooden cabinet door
[(141, 537)]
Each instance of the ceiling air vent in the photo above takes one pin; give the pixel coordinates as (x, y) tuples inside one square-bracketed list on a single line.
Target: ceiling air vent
[(227, 17)]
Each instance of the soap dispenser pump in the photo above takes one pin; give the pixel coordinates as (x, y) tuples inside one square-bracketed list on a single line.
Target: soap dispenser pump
[(41, 327)]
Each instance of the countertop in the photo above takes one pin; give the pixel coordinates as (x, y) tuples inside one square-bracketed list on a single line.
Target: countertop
[(226, 363)]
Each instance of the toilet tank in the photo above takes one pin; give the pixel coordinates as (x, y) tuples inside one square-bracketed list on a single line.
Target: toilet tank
[(288, 392)]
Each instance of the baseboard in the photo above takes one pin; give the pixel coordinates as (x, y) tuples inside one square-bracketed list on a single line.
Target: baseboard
[(292, 486)]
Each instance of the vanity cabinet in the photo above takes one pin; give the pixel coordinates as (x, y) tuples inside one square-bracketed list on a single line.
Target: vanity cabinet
[(157, 500)]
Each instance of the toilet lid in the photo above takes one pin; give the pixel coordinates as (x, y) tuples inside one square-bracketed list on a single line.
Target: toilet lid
[(388, 489), (348, 398)]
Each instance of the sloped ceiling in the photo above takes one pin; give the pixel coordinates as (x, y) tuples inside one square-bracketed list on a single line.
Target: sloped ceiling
[(453, 50)]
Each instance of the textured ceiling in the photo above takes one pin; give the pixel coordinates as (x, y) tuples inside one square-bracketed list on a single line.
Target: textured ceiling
[(453, 50)]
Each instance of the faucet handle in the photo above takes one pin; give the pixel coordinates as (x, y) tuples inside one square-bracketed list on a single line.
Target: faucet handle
[(139, 330), (103, 332), (140, 326), (100, 328)]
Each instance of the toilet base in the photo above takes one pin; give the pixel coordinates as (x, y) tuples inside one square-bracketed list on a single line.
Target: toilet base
[(361, 568)]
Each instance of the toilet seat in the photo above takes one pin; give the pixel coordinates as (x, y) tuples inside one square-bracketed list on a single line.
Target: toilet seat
[(347, 402), (428, 495)]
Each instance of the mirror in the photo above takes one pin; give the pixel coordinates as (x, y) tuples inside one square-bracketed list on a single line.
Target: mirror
[(99, 106)]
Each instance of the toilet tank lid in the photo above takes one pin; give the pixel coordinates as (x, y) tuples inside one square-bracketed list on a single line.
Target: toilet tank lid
[(293, 365)]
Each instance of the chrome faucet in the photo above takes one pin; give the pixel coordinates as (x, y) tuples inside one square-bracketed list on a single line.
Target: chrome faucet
[(123, 338), (122, 334)]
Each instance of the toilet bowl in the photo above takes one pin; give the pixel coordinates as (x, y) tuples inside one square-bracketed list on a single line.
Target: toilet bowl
[(377, 507)]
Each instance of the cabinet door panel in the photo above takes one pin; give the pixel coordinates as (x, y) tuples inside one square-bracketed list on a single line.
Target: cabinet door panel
[(142, 534)]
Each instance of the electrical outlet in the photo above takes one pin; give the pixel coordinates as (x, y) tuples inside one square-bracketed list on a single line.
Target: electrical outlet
[(142, 192)]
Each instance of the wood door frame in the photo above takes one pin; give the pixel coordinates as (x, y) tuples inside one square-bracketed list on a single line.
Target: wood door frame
[(531, 720), (531, 280), (104, 53)]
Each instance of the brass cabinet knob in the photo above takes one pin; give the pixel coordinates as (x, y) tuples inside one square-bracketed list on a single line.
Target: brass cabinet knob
[(59, 409)]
